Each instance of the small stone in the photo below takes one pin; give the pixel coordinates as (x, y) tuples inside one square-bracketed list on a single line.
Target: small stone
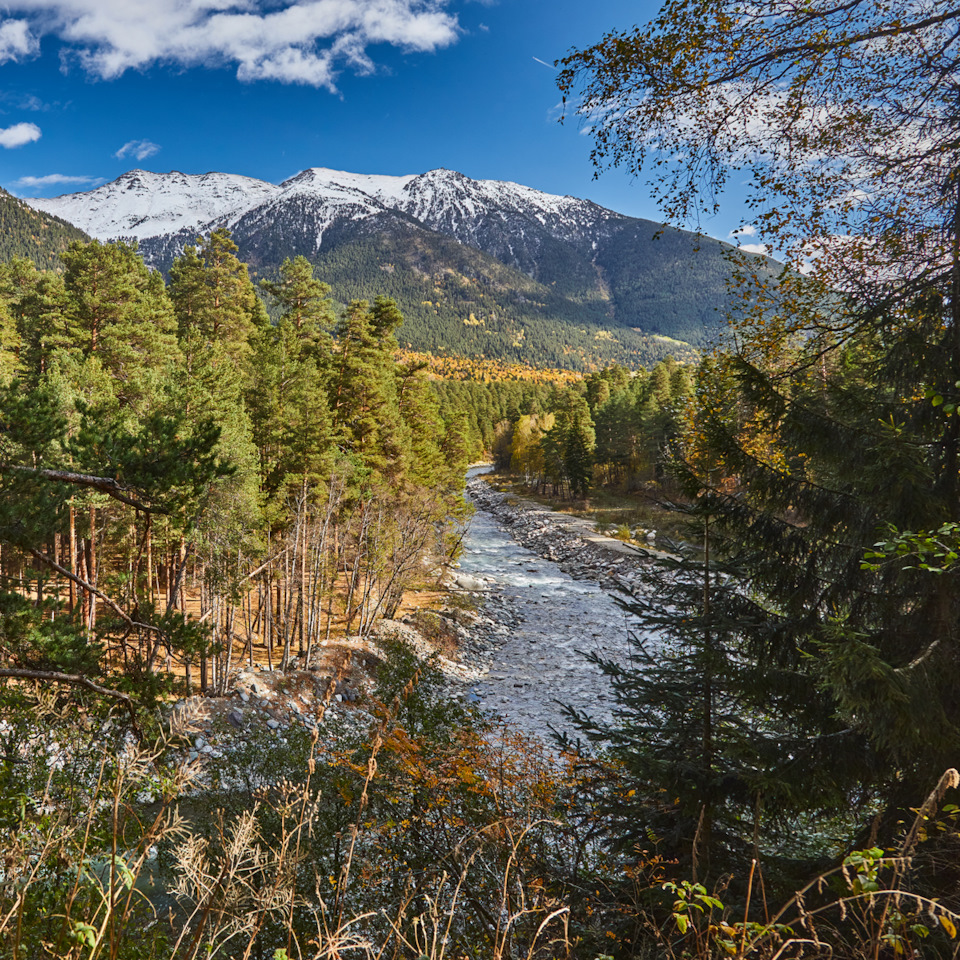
[(199, 743), (245, 697), (192, 756), (236, 718), (273, 724), (207, 750)]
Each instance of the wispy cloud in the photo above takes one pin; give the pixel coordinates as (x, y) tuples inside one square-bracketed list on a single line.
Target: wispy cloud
[(138, 149), (747, 230), (19, 134), (291, 41), (56, 180), (24, 101)]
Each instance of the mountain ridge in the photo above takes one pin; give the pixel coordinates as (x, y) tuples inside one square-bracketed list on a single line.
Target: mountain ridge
[(27, 232), (579, 285)]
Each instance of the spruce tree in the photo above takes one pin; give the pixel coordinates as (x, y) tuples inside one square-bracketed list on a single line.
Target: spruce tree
[(811, 453), (578, 447)]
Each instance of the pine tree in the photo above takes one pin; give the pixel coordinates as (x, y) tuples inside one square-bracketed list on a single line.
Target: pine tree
[(420, 413), (287, 392), (117, 313), (9, 345), (364, 402), (304, 302), (216, 305)]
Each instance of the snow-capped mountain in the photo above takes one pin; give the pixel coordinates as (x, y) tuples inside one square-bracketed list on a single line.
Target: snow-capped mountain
[(141, 205), (477, 266)]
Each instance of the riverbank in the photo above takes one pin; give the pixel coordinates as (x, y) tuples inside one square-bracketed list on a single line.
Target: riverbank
[(571, 542), (534, 592)]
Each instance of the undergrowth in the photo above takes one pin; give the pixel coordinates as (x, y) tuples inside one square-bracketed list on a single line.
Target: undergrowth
[(429, 835)]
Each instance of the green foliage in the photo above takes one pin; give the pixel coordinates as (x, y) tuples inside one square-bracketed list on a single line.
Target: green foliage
[(32, 639), (144, 431), (116, 316), (933, 551)]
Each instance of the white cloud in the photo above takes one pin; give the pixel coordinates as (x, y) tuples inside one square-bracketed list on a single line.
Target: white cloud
[(760, 248), (19, 134), (56, 180), (139, 149), (291, 41), (747, 230), (16, 40)]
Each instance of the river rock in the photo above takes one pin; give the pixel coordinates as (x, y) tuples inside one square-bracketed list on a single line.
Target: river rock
[(463, 581)]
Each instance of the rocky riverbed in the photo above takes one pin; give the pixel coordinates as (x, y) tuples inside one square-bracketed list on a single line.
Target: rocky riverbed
[(570, 542), (549, 589), (539, 590)]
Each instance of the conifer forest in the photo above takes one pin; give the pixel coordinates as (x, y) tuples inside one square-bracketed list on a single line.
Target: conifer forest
[(219, 494)]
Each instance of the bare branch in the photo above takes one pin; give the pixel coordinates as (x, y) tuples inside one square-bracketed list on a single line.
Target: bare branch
[(113, 488), (86, 586), (821, 46)]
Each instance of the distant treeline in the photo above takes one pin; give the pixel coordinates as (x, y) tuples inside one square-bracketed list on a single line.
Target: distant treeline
[(613, 426)]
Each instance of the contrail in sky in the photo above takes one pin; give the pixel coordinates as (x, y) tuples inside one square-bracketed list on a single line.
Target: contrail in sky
[(544, 62)]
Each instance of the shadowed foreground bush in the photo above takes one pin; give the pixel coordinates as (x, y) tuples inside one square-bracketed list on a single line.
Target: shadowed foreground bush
[(455, 841)]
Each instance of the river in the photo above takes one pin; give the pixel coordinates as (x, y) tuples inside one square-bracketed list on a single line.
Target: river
[(553, 621)]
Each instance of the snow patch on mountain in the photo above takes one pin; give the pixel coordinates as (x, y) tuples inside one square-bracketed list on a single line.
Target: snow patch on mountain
[(336, 183)]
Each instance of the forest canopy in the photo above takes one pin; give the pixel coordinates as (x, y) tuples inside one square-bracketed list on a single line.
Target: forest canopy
[(150, 430)]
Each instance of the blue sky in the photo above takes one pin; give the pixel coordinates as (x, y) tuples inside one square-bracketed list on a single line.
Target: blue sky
[(92, 88)]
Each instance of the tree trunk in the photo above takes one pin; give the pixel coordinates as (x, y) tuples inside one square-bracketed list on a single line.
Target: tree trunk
[(93, 563)]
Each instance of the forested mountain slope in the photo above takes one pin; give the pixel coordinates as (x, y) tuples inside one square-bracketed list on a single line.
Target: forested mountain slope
[(25, 232)]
